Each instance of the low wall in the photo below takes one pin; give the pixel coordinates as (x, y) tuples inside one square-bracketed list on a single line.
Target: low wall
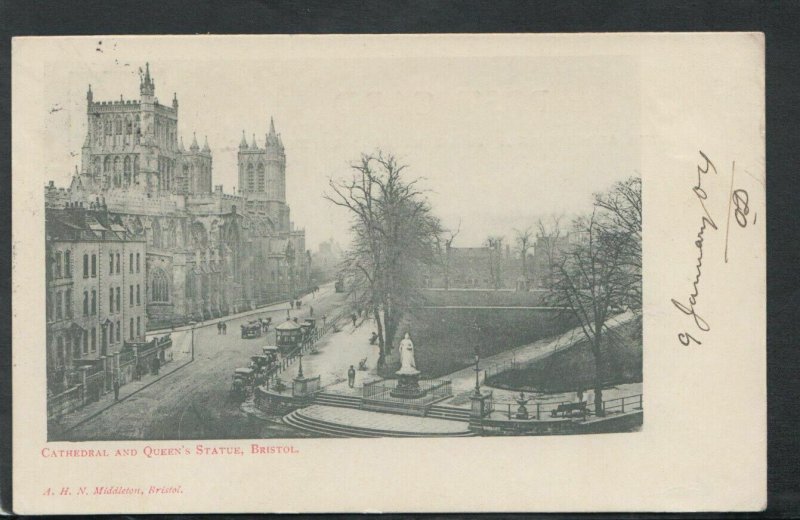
[(484, 298)]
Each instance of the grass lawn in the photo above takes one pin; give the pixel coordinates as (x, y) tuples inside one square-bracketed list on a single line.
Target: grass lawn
[(445, 339), (573, 368)]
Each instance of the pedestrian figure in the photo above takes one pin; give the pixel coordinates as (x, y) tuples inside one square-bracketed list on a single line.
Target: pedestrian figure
[(116, 388), (351, 376), (311, 311), (219, 328), (353, 317), (374, 338), (291, 304), (156, 365), (224, 328)]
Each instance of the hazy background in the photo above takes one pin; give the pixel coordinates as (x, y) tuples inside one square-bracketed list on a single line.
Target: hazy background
[(500, 140)]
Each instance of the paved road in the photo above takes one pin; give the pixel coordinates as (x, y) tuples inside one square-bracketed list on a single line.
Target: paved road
[(195, 401)]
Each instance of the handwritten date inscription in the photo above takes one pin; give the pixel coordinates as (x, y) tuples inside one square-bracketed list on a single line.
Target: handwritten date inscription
[(739, 206)]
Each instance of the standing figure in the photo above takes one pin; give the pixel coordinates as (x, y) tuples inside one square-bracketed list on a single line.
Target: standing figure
[(353, 317), (311, 311), (407, 362), (351, 376), (116, 388), (224, 328)]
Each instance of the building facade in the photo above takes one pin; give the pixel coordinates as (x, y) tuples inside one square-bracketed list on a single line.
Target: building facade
[(207, 253), (96, 289)]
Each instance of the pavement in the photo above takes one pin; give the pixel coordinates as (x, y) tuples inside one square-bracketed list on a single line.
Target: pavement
[(106, 401)]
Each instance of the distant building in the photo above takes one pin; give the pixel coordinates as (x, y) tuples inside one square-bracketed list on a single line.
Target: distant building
[(96, 285), (208, 253), (326, 261), (476, 268)]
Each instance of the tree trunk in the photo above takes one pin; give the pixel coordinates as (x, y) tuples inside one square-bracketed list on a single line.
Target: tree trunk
[(598, 385), (381, 342)]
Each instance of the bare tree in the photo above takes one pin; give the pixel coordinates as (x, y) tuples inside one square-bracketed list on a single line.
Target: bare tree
[(394, 234), (448, 244), (593, 271), (622, 207), (495, 245), (548, 239), (524, 238)]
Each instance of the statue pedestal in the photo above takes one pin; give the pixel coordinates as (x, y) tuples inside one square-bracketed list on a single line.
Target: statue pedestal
[(408, 385)]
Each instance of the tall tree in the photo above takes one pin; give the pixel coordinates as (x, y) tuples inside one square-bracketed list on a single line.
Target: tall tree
[(394, 235), (594, 275), (524, 238), (495, 245)]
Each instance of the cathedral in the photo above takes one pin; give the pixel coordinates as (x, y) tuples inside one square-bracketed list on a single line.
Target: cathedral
[(208, 253)]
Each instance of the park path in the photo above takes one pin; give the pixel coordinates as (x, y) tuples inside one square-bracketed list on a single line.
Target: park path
[(463, 381), (352, 344)]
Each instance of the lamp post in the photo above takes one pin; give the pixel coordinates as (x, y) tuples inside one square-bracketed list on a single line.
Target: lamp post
[(477, 372), (105, 325), (300, 367)]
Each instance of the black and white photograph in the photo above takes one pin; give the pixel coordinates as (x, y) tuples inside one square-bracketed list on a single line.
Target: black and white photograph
[(389, 273), (229, 257)]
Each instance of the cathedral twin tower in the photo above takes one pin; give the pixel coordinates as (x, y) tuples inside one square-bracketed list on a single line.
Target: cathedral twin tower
[(262, 170), (134, 145)]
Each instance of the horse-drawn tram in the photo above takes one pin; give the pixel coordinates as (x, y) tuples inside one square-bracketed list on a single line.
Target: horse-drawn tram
[(252, 329), (243, 379)]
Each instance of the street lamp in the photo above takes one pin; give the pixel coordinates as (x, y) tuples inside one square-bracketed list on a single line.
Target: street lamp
[(300, 367), (105, 325), (477, 371)]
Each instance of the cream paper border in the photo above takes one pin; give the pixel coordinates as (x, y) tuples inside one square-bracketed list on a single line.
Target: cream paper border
[(703, 444)]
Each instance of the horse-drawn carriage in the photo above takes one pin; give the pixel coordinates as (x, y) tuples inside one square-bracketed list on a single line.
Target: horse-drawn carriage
[(252, 329), (243, 379)]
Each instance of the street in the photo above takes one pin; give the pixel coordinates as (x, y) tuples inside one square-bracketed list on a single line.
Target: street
[(195, 402)]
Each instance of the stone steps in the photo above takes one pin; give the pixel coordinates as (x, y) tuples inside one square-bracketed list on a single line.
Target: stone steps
[(434, 411), (297, 420)]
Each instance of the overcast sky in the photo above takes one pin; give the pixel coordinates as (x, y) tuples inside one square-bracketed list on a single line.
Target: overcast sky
[(500, 140)]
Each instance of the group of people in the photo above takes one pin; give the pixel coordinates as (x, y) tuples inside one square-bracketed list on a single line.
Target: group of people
[(222, 328)]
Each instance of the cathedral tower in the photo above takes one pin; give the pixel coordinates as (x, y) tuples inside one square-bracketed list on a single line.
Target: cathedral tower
[(262, 171), (131, 144)]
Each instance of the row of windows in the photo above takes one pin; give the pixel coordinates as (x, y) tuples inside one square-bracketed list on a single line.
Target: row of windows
[(61, 305), (62, 265), (114, 298), (89, 341), (114, 264)]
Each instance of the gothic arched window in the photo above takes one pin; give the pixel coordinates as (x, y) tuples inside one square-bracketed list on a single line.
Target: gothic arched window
[(97, 166), (159, 286), (260, 183), (128, 169), (107, 164), (251, 182)]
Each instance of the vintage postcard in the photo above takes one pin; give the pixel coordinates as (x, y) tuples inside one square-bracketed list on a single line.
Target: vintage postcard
[(389, 273)]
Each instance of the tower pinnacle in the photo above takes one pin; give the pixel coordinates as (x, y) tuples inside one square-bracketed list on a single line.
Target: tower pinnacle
[(194, 147), (243, 144), (146, 85)]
